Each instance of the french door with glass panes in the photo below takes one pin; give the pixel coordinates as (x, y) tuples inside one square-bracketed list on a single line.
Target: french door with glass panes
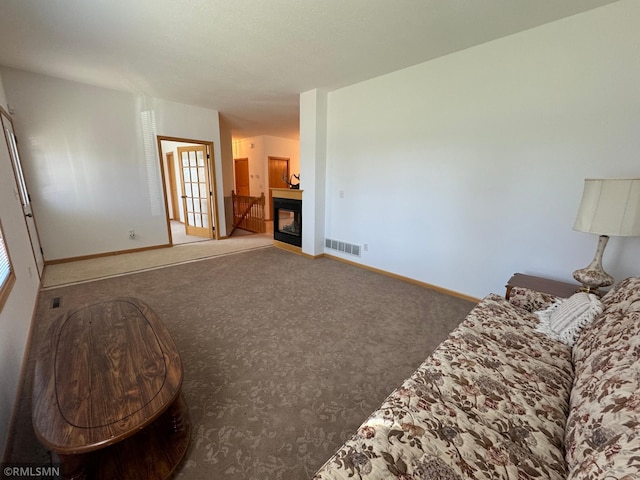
[(196, 191)]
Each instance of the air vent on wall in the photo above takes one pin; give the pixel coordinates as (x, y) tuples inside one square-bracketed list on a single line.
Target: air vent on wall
[(345, 247)]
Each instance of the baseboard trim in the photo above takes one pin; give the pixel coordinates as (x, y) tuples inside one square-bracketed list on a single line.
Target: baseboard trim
[(287, 247), (313, 257), (430, 286), (105, 254)]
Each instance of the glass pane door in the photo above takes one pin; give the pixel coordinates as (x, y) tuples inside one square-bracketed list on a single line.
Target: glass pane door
[(194, 173)]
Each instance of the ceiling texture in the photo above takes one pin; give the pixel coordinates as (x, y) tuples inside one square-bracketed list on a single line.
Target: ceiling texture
[(250, 59)]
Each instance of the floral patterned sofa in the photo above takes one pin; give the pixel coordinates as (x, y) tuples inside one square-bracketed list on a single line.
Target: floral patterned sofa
[(500, 399)]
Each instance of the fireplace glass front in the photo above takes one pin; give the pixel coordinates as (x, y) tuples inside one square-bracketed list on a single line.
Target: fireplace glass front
[(287, 225)]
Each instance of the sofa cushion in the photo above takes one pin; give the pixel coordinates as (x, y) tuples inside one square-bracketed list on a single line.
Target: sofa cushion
[(531, 300), (624, 296), (515, 329), (603, 430), (622, 299)]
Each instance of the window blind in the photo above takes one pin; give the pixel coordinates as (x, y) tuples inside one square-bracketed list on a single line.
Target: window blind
[(5, 264)]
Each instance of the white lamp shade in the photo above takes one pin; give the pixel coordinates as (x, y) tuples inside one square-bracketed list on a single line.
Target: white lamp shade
[(610, 207)]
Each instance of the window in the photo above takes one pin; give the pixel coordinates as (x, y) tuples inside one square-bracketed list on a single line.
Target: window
[(7, 277)]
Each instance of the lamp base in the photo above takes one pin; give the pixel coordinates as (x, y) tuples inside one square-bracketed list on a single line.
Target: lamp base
[(592, 280), (593, 276)]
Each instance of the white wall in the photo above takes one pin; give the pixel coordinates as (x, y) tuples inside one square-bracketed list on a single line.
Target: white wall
[(92, 167), (16, 314), (463, 170), (226, 145), (3, 97)]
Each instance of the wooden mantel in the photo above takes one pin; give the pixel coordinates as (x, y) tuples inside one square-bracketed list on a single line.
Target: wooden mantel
[(292, 193)]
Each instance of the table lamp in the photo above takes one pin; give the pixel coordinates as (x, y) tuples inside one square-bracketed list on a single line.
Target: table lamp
[(609, 207)]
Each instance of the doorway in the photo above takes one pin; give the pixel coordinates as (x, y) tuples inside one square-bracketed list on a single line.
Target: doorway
[(188, 169), (278, 178), (241, 173)]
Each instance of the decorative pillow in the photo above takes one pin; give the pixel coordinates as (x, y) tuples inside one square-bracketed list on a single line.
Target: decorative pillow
[(564, 320), (544, 316)]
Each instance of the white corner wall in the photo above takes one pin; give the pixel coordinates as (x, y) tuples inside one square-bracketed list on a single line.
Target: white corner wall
[(17, 312), (313, 154), (461, 171), (92, 164)]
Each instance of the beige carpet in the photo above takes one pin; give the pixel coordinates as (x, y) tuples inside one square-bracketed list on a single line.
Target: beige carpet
[(284, 356), (113, 265)]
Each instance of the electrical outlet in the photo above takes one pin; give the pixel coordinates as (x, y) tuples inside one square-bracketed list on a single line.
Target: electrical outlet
[(366, 247), (132, 234)]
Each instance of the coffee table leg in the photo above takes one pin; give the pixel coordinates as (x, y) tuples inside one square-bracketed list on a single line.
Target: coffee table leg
[(74, 467)]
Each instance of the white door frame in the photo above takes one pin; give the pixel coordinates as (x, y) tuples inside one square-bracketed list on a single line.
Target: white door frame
[(22, 190)]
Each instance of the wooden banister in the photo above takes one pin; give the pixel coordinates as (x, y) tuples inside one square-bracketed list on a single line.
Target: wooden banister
[(248, 213)]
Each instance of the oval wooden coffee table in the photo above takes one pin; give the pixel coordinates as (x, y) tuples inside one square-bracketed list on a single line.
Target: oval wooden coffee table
[(106, 394)]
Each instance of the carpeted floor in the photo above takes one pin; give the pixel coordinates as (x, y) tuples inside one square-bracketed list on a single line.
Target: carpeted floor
[(284, 356)]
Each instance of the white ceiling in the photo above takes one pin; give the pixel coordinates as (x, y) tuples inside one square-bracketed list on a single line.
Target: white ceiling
[(250, 59)]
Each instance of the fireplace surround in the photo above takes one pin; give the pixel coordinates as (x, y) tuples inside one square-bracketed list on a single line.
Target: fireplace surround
[(287, 218)]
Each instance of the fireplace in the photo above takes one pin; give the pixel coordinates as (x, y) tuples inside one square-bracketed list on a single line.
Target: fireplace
[(287, 220)]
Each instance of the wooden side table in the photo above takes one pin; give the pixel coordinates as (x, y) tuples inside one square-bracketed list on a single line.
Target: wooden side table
[(539, 284)]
